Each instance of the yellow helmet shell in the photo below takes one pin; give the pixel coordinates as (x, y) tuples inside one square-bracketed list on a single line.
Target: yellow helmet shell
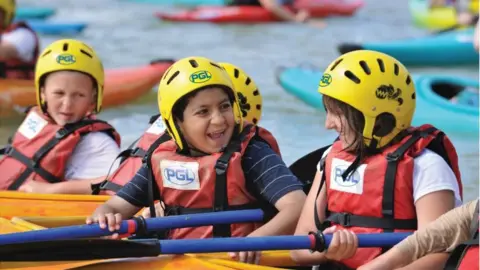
[(248, 95), (186, 76), (8, 6), (373, 83), (71, 55)]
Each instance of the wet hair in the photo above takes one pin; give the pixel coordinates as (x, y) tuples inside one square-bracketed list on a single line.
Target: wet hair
[(384, 124), (180, 106)]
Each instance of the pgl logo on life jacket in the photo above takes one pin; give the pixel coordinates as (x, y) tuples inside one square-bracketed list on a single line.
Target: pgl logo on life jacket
[(180, 175), (326, 80), (32, 125), (353, 183), (351, 180), (66, 59), (200, 76)]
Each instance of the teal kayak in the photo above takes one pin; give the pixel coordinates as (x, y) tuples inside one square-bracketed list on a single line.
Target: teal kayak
[(56, 28), (186, 3), (451, 48), (25, 13), (447, 102)]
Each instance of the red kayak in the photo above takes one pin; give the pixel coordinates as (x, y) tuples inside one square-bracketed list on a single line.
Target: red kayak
[(255, 14)]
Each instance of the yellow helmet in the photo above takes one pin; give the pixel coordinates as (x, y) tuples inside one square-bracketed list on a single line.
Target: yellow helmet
[(473, 6), (373, 83), (70, 54), (186, 76), (248, 95), (8, 6)]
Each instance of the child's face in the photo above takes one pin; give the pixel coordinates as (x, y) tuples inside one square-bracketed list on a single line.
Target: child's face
[(70, 96), (208, 121)]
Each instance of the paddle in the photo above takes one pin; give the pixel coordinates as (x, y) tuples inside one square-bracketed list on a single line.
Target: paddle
[(305, 167), (135, 225), (63, 250)]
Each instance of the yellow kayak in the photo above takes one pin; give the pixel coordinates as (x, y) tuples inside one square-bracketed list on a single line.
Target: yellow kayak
[(13, 203), (270, 259), (433, 19)]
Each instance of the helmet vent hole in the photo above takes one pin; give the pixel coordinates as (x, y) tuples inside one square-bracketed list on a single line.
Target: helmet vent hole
[(336, 64), (65, 47), (166, 72), (256, 93), (352, 76), (255, 121), (173, 77), (395, 69), (381, 65), (236, 73), (409, 80), (413, 96), (217, 66), (365, 67), (259, 107), (193, 63), (46, 53), (248, 81), (86, 53)]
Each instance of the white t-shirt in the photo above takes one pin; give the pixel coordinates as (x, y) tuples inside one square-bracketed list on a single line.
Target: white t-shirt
[(92, 157), (430, 174), (24, 41)]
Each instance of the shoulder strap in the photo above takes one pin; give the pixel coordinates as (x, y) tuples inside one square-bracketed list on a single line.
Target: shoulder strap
[(318, 223)]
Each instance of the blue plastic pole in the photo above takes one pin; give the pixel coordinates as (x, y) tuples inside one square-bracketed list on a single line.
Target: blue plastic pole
[(152, 224), (269, 243)]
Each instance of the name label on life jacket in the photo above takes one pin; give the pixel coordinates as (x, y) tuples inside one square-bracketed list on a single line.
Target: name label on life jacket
[(157, 127), (353, 184), (32, 125), (180, 175)]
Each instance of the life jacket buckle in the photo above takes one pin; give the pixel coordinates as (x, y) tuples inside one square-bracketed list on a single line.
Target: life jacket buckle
[(393, 157), (221, 166), (344, 219)]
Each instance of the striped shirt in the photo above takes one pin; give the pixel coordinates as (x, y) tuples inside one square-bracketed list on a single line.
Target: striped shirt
[(265, 172)]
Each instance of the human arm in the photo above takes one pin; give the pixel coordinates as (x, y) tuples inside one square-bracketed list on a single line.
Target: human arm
[(20, 43), (128, 201), (435, 192), (282, 12), (444, 234), (270, 178)]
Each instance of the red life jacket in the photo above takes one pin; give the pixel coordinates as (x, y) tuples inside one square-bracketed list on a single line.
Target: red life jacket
[(209, 183), (132, 157), (366, 204), (40, 149), (465, 256), (16, 68)]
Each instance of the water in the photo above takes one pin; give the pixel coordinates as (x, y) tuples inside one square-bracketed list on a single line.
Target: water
[(126, 34)]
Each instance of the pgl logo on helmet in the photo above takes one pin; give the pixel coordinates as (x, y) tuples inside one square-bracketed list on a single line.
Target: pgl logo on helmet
[(389, 92), (326, 80), (66, 59), (200, 76)]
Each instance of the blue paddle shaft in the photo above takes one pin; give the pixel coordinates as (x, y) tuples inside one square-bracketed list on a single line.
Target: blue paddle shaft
[(153, 224), (269, 243)]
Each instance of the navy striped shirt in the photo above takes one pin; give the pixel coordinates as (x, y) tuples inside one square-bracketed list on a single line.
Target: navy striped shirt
[(265, 173)]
